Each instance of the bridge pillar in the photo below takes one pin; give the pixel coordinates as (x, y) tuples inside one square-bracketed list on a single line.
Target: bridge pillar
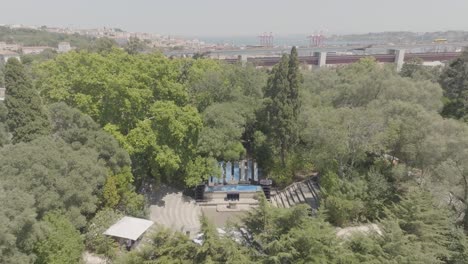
[(322, 59), (399, 58), (243, 59)]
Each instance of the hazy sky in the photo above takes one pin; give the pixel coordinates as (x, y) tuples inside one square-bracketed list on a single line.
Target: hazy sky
[(241, 17)]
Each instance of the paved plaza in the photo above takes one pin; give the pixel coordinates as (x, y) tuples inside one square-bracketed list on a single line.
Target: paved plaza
[(220, 219), (171, 209)]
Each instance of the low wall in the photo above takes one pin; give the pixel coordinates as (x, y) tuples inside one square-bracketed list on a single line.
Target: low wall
[(222, 195)]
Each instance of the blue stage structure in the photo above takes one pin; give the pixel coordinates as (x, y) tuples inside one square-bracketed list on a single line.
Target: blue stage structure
[(223, 172), (236, 172), (249, 170), (228, 172), (244, 171), (255, 172), (241, 170)]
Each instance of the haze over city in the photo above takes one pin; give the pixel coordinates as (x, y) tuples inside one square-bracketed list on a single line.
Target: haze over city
[(236, 18), (251, 132)]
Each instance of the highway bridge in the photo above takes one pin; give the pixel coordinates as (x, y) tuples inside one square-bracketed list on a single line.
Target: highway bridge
[(309, 51), (334, 55), (322, 58)]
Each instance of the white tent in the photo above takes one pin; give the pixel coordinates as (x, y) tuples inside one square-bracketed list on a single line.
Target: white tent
[(129, 228)]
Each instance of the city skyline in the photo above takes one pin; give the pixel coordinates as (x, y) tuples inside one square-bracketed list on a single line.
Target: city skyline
[(241, 18)]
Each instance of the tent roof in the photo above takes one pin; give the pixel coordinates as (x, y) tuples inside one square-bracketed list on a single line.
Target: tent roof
[(129, 228)]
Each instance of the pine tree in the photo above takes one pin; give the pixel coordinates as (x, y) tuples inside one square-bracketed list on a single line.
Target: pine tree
[(26, 117), (419, 217)]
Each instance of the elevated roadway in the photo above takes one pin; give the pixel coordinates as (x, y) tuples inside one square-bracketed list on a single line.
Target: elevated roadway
[(305, 51), (345, 59)]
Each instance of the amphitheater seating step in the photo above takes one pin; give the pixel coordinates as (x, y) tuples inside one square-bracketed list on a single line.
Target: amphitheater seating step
[(285, 200), (290, 195), (306, 191), (273, 201), (299, 195)]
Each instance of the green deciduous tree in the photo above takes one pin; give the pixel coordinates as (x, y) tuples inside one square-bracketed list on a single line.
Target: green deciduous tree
[(82, 132), (56, 175), (102, 45), (200, 169), (168, 247), (141, 100), (224, 127), (134, 46), (166, 142), (416, 70), (95, 239), (17, 225), (60, 241), (110, 193)]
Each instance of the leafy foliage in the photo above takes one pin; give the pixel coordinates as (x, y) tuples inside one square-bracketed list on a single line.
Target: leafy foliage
[(94, 238), (26, 116), (281, 107), (454, 82), (134, 46), (17, 224), (40, 37), (376, 137), (62, 243), (168, 247), (416, 70)]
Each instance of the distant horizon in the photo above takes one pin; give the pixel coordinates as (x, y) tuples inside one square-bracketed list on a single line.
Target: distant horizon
[(329, 34), (236, 35), (243, 17)]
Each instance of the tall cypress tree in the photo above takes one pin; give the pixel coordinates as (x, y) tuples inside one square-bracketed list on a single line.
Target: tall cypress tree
[(282, 104), (295, 80), (26, 117)]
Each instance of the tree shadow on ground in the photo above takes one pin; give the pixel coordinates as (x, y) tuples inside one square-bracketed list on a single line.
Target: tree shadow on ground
[(155, 195)]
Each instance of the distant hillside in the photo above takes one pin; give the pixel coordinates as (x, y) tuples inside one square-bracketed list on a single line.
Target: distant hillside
[(33, 37), (401, 37)]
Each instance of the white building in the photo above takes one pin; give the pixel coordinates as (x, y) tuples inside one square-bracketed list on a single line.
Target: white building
[(64, 47), (129, 230)]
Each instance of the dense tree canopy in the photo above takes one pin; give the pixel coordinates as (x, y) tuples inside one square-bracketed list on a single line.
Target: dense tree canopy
[(383, 143), (454, 81), (26, 117), (416, 70), (149, 103), (61, 242), (40, 37), (53, 184)]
